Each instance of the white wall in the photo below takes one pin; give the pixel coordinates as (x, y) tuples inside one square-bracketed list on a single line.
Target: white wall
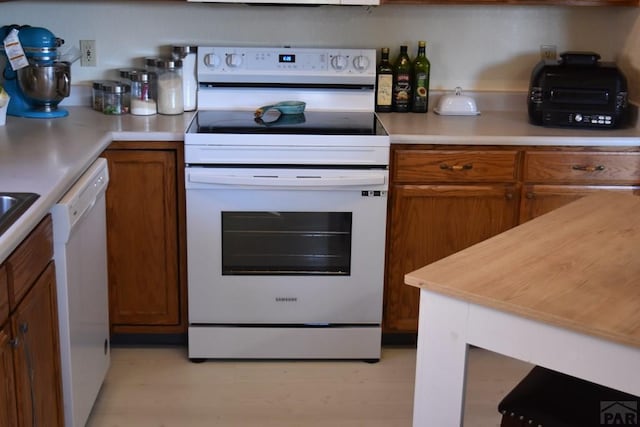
[(476, 47)]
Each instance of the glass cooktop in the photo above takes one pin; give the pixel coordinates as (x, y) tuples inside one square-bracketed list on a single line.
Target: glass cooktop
[(307, 123)]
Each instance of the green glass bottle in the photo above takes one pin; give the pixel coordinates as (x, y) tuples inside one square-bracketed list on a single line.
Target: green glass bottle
[(420, 81), (384, 83), (402, 91)]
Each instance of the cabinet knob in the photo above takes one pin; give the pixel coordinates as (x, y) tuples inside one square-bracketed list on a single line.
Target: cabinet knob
[(508, 196), (530, 195), (465, 167), (14, 343)]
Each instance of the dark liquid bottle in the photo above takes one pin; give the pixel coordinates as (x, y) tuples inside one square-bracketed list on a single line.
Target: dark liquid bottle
[(384, 83), (420, 82), (402, 90)]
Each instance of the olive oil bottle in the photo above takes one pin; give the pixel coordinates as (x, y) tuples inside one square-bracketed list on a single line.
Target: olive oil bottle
[(420, 81), (384, 83), (402, 90)]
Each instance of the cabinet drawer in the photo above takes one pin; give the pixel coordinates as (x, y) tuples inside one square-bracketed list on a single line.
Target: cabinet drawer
[(583, 168), (4, 295), (454, 166), (29, 259)]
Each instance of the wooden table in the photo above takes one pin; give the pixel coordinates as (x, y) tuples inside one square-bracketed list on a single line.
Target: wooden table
[(561, 291)]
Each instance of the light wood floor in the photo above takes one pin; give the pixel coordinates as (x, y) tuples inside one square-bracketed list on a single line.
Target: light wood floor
[(159, 387)]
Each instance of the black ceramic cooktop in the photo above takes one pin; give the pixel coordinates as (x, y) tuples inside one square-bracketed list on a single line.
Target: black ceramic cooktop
[(273, 122)]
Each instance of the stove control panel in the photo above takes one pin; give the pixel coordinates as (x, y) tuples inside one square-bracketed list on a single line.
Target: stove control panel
[(293, 65)]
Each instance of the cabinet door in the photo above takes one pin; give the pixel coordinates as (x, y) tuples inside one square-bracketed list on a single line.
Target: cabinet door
[(429, 222), (540, 199), (142, 241), (8, 416), (37, 355)]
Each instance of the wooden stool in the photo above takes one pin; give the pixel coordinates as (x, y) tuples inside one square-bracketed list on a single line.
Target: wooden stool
[(550, 399)]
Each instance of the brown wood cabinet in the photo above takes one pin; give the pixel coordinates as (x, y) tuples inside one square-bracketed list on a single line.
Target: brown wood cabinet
[(146, 238), (553, 179), (8, 406), (31, 394), (441, 201)]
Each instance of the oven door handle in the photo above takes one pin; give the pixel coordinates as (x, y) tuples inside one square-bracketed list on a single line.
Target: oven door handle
[(288, 181)]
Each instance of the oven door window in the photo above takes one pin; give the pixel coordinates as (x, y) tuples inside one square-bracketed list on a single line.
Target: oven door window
[(286, 243)]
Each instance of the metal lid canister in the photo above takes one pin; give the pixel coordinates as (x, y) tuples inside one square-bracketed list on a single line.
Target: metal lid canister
[(188, 55), (97, 94), (116, 98), (143, 96), (170, 94)]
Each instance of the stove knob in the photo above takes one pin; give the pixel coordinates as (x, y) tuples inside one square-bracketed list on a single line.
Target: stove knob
[(361, 63), (234, 60), (578, 118), (339, 62), (212, 60)]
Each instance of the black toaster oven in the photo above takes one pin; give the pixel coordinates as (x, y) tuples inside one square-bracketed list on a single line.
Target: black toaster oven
[(578, 91)]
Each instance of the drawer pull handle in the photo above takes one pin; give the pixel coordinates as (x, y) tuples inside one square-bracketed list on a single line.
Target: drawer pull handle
[(587, 168), (464, 167)]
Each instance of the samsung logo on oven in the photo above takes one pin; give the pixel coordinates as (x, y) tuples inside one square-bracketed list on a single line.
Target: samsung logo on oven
[(286, 299)]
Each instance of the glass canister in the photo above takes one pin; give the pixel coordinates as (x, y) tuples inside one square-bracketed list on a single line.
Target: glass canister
[(143, 102), (150, 63), (116, 98), (97, 94), (170, 96), (125, 74), (188, 55)]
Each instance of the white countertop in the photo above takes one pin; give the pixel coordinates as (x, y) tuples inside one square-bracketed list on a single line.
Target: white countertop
[(46, 156), (503, 120)]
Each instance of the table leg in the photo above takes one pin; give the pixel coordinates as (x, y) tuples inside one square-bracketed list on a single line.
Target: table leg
[(441, 361)]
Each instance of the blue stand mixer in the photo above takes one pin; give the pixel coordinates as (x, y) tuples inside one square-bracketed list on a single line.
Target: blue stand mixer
[(37, 89)]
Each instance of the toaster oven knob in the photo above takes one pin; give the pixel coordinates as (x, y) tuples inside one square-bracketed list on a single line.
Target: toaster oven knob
[(578, 118), (361, 63), (339, 62)]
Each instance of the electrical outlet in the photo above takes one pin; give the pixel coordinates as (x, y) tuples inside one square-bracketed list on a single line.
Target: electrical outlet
[(88, 53), (548, 52)]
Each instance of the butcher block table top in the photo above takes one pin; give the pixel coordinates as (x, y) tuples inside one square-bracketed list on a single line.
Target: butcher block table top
[(577, 267)]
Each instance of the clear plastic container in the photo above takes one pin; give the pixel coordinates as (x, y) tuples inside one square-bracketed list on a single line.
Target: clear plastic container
[(143, 101), (116, 98), (170, 95)]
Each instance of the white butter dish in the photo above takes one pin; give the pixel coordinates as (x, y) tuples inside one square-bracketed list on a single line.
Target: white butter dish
[(457, 105)]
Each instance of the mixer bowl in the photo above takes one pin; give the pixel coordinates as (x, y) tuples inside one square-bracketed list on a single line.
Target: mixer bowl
[(45, 84)]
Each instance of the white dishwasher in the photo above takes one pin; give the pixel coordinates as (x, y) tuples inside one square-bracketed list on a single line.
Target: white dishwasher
[(80, 254)]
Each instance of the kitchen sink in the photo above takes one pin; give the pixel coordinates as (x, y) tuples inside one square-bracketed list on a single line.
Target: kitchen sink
[(12, 205)]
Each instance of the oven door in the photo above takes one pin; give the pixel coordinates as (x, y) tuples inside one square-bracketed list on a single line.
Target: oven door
[(285, 246)]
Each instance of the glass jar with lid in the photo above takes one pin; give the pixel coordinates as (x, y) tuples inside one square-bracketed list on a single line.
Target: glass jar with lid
[(188, 55), (116, 98), (143, 102), (97, 94), (170, 95)]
